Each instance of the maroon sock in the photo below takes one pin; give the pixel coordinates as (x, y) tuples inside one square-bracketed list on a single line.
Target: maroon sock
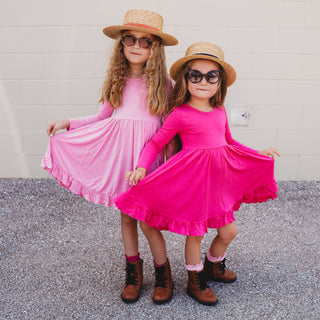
[(158, 265), (133, 258)]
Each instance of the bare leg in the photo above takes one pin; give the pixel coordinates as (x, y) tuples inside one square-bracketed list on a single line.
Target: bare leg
[(163, 287), (224, 237), (197, 287), (192, 249), (129, 235), (156, 243)]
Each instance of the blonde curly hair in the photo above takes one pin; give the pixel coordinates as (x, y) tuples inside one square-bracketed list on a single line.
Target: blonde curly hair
[(154, 75)]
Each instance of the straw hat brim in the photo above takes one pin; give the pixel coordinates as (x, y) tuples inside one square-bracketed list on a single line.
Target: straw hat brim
[(115, 31), (231, 74)]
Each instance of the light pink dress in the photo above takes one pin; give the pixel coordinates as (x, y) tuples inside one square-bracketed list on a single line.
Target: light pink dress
[(200, 186), (91, 159)]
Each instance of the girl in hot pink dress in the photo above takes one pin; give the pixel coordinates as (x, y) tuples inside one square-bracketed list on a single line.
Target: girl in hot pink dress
[(91, 158), (207, 180)]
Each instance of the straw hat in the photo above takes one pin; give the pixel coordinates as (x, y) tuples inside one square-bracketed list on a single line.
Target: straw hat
[(207, 51), (144, 21)]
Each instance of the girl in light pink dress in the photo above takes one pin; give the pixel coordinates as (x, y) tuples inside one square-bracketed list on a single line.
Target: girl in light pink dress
[(209, 177), (91, 158)]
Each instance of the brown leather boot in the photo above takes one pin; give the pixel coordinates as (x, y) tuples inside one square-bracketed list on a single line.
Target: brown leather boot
[(216, 271), (134, 279), (199, 290), (163, 284)]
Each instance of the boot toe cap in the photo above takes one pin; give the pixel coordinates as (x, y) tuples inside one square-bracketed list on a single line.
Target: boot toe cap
[(162, 295)]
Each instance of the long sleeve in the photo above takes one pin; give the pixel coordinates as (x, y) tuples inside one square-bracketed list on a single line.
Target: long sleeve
[(233, 142), (104, 112), (171, 126)]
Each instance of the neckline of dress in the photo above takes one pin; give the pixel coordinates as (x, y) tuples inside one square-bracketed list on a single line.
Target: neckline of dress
[(134, 78), (195, 109)]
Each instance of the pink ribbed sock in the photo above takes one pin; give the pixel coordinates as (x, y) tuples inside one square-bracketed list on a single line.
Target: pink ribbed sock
[(195, 267), (133, 258), (214, 259)]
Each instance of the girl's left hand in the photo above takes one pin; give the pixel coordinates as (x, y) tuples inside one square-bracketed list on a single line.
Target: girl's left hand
[(134, 176), (270, 152)]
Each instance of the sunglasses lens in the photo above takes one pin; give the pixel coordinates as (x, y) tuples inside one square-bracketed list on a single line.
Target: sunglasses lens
[(145, 43), (195, 76), (128, 40), (212, 76)]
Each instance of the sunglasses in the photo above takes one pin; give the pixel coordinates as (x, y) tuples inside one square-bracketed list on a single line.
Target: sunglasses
[(195, 76), (129, 41)]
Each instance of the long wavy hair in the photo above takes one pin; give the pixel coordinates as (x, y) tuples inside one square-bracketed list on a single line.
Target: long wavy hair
[(180, 95), (154, 76)]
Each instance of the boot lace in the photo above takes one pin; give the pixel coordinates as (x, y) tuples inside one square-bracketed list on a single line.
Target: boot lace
[(161, 277), (201, 280), (131, 274), (222, 266)]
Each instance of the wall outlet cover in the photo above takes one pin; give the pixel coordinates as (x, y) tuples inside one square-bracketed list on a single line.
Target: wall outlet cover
[(239, 115)]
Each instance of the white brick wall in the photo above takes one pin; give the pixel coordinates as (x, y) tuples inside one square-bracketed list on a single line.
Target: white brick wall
[(53, 57)]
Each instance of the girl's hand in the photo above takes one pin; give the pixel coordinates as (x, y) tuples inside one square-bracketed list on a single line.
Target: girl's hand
[(134, 176), (270, 152), (54, 126)]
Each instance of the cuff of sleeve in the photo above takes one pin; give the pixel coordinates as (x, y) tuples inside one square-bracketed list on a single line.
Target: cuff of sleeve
[(141, 165), (71, 126)]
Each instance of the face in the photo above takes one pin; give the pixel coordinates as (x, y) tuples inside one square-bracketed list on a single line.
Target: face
[(135, 54), (203, 90)]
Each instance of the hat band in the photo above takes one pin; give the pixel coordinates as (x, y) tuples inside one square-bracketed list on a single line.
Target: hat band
[(141, 26), (205, 54)]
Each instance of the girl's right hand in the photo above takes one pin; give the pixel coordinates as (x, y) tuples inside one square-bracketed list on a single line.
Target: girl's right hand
[(54, 126), (134, 176)]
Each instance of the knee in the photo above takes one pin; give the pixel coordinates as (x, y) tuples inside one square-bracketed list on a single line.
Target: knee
[(228, 233), (232, 233), (125, 219), (144, 227)]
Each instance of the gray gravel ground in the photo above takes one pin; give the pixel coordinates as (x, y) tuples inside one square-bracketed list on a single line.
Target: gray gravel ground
[(61, 257)]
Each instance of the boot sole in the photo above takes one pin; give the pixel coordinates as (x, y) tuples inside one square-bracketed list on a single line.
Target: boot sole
[(128, 301), (162, 301), (202, 302), (222, 281)]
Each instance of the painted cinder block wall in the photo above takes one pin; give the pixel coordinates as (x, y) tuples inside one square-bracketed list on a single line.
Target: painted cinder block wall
[(53, 57)]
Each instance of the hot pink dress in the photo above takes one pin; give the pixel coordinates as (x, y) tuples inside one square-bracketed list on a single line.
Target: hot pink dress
[(91, 159), (200, 186)]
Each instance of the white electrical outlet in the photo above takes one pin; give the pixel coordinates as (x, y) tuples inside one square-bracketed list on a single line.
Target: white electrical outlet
[(239, 115)]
